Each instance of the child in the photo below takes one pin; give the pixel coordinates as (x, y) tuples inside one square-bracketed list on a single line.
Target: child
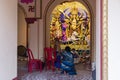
[(75, 55)]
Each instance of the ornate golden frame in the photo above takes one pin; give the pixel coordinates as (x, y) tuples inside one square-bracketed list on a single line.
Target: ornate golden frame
[(104, 40)]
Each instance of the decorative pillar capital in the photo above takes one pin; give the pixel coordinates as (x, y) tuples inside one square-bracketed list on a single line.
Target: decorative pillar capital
[(30, 20)]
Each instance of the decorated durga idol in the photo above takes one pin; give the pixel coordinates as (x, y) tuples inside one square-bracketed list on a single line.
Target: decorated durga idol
[(70, 23)]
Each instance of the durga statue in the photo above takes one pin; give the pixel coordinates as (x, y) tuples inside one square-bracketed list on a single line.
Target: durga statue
[(71, 22)]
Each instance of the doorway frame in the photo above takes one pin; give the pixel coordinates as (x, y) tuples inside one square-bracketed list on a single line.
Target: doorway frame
[(103, 36)]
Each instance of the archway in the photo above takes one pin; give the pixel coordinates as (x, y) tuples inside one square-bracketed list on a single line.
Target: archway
[(48, 24)]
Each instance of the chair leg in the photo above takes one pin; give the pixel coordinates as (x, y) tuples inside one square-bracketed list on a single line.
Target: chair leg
[(48, 65), (40, 66), (53, 66), (37, 65), (29, 67)]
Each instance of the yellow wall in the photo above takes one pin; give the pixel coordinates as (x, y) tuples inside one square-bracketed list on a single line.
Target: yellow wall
[(22, 26)]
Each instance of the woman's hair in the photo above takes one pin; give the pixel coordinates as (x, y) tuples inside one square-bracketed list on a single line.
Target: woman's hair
[(67, 48)]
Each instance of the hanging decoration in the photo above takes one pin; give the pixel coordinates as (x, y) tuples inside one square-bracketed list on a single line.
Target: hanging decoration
[(26, 1), (33, 8)]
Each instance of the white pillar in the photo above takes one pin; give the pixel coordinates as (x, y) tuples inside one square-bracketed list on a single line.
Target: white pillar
[(98, 75)]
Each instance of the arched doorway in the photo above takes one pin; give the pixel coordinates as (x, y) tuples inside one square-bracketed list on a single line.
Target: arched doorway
[(75, 26)]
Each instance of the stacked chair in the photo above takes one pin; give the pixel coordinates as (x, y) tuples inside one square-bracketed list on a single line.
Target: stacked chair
[(33, 63), (50, 57)]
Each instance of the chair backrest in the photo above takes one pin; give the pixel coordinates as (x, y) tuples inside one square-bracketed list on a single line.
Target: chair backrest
[(49, 52), (30, 54)]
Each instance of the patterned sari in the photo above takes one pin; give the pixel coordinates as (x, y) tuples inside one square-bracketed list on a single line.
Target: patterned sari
[(67, 63)]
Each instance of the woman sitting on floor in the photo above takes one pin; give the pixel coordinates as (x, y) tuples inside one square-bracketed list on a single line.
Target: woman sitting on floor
[(67, 63)]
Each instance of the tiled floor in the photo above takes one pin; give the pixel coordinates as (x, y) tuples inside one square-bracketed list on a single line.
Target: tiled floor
[(82, 73)]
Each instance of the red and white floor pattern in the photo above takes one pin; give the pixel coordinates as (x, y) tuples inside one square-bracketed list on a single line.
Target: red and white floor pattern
[(82, 74), (50, 75)]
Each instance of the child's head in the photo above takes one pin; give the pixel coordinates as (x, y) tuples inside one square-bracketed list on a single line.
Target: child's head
[(73, 49), (57, 39)]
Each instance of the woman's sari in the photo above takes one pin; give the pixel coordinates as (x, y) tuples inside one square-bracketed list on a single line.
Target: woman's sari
[(67, 63)]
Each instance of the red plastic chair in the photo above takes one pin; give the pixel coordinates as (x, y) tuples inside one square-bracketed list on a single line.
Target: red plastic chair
[(33, 63), (50, 57)]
